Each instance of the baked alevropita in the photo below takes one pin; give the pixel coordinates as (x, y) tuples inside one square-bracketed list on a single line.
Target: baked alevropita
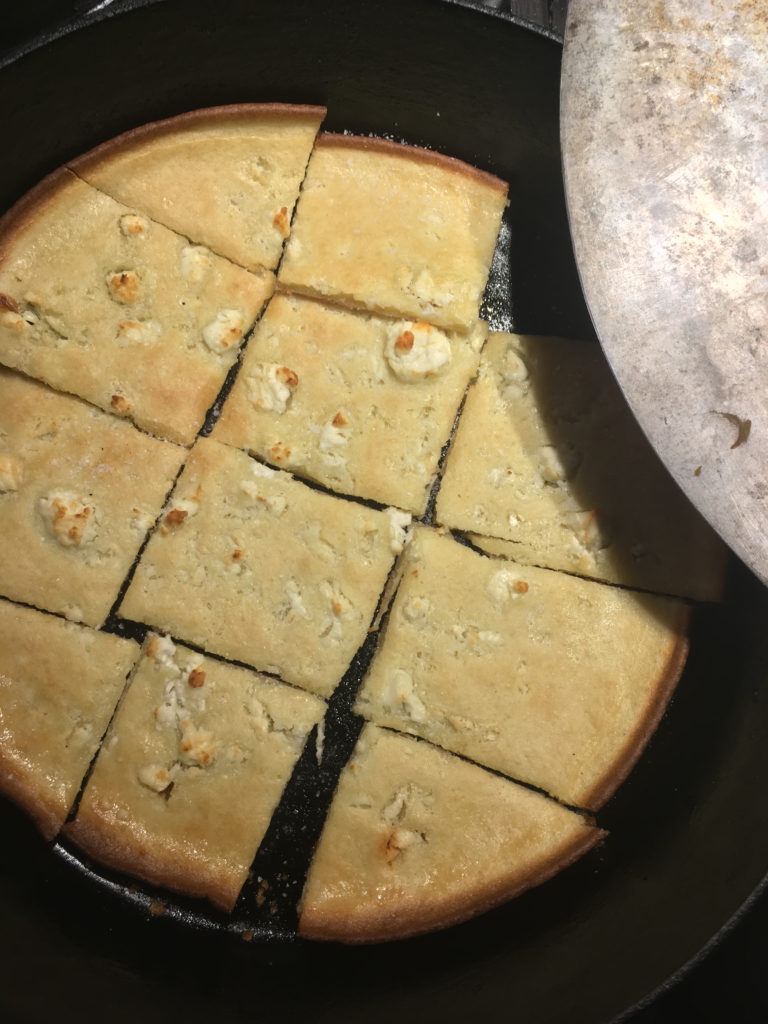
[(549, 467), (255, 566), (226, 177), (191, 771), (551, 679), (394, 229), (79, 491), (418, 839), (358, 403), (100, 301), (59, 684)]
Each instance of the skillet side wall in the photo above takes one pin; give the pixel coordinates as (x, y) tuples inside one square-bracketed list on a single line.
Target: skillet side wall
[(601, 935)]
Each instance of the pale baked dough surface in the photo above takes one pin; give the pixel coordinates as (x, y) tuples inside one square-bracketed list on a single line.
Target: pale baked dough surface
[(79, 491), (395, 230), (352, 381), (341, 398), (110, 306), (551, 679), (191, 771), (417, 839), (257, 567), (549, 467), (227, 178), (59, 684)]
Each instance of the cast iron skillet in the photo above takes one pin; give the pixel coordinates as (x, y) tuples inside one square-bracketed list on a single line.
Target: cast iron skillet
[(689, 828)]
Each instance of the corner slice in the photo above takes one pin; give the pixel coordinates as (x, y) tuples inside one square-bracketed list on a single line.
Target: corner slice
[(226, 177), (553, 680), (191, 771), (417, 840), (102, 302), (360, 404), (79, 490), (394, 229), (257, 567), (549, 467), (59, 684)]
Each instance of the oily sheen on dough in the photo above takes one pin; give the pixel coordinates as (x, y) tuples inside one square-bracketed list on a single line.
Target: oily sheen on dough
[(417, 839)]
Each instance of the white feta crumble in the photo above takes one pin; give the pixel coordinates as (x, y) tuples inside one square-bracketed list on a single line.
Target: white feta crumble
[(70, 520), (195, 263), (505, 584), (401, 696), (398, 529), (514, 376), (416, 350), (163, 650), (295, 604), (138, 332), (270, 387), (417, 609), (156, 777), (132, 225), (225, 331)]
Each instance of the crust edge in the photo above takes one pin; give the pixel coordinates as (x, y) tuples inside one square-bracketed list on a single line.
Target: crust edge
[(636, 742), (153, 130), (316, 924), (145, 861), (328, 140), (30, 205), (15, 783)]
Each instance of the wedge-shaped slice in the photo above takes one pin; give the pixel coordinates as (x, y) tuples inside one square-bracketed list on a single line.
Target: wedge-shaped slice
[(59, 684), (224, 176), (360, 404), (417, 839), (79, 490), (551, 679), (104, 303), (257, 567), (394, 229), (191, 771), (549, 467)]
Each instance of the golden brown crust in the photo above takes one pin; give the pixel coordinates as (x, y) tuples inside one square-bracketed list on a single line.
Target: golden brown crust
[(191, 119), (605, 788), (23, 788), (415, 153), (31, 205), (130, 855), (316, 923)]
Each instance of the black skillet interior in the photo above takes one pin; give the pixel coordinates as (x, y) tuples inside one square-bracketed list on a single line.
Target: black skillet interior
[(689, 828)]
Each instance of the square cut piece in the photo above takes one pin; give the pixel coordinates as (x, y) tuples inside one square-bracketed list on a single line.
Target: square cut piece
[(553, 680), (394, 229), (257, 567), (59, 684), (226, 177), (549, 467), (104, 303), (418, 839), (360, 404), (191, 771), (79, 491)]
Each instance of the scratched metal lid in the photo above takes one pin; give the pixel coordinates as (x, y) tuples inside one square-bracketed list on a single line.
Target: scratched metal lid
[(664, 127)]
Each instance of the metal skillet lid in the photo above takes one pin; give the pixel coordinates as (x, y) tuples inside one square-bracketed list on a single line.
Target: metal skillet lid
[(665, 147)]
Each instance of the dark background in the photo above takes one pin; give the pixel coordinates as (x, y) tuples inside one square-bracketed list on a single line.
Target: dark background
[(728, 983)]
